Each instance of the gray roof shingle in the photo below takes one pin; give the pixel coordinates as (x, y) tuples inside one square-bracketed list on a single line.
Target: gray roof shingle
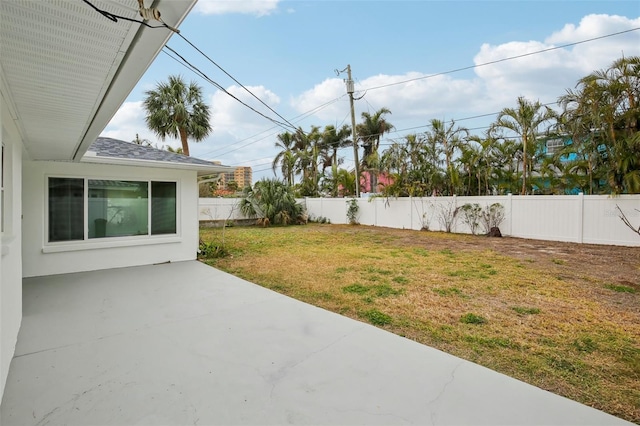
[(114, 148)]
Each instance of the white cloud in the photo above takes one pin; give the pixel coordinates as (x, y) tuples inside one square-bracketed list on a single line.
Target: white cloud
[(254, 7), (129, 122), (421, 99), (230, 115), (592, 26), (239, 136), (546, 76)]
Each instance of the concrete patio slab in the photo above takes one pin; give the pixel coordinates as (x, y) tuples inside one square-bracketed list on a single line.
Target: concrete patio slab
[(184, 343)]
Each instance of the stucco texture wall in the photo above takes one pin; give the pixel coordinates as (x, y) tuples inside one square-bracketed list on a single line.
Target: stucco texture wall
[(11, 263), (42, 258)]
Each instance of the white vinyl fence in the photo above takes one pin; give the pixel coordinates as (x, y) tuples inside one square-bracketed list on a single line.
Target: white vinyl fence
[(592, 219)]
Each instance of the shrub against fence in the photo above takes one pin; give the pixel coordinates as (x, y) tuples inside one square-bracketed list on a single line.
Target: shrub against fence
[(573, 218)]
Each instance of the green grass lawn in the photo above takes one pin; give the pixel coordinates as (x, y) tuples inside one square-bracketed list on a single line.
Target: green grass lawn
[(572, 334)]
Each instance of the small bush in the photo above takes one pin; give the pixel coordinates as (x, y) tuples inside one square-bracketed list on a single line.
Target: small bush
[(352, 211), (492, 216), (209, 250), (471, 214)]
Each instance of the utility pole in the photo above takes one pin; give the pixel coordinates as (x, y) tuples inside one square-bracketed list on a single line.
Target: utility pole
[(350, 90)]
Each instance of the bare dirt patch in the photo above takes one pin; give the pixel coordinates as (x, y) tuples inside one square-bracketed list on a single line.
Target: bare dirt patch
[(586, 264)]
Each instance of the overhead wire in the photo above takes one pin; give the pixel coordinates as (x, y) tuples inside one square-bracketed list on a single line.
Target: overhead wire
[(235, 80), (149, 13), (222, 89), (153, 13), (297, 118), (497, 61)]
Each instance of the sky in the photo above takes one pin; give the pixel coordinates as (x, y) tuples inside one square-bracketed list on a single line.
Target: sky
[(401, 55)]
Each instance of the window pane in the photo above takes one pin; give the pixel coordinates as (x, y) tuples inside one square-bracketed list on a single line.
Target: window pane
[(66, 209), (118, 208), (163, 208)]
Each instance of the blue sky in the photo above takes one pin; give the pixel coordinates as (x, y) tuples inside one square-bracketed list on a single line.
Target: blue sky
[(286, 52)]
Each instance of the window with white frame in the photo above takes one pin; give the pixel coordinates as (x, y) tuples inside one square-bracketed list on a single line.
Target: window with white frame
[(81, 209)]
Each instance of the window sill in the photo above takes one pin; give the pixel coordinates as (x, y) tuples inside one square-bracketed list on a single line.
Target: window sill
[(114, 242)]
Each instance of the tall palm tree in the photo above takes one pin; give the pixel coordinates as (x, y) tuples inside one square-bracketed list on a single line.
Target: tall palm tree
[(286, 158), (370, 131), (332, 140), (470, 158), (505, 169), (308, 155), (602, 116), (448, 138), (525, 120), (176, 109)]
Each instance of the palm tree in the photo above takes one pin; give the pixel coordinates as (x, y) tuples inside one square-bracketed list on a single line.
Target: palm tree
[(308, 154), (273, 200), (505, 169), (448, 138), (602, 115), (470, 156), (370, 131), (286, 157), (525, 121), (332, 140), (176, 109)]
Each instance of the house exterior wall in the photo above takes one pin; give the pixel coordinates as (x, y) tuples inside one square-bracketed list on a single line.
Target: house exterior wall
[(41, 258), (11, 260)]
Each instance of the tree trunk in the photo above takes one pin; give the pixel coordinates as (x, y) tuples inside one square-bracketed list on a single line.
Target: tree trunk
[(183, 139), (373, 180)]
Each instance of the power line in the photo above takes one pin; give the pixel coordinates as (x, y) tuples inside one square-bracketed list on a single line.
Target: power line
[(218, 86), (503, 59), (491, 63), (297, 118), (234, 79)]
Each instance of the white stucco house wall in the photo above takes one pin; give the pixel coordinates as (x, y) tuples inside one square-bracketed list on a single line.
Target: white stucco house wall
[(132, 205), (71, 201)]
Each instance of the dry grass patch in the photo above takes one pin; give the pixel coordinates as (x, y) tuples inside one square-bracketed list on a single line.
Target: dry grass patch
[(570, 326)]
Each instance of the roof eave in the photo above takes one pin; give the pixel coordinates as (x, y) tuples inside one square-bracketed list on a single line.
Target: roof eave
[(201, 169), (146, 45)]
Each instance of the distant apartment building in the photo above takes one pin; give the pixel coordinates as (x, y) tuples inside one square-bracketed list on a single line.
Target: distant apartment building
[(242, 176)]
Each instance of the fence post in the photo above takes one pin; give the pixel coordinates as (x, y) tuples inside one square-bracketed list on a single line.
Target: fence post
[(581, 217), (410, 212), (510, 195), (455, 206), (374, 201)]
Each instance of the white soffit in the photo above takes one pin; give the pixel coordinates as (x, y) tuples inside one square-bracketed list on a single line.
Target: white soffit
[(68, 68)]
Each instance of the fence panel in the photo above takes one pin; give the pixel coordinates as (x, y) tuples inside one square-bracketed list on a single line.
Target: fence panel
[(393, 213), (219, 209), (547, 217), (334, 209), (572, 218), (602, 223)]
